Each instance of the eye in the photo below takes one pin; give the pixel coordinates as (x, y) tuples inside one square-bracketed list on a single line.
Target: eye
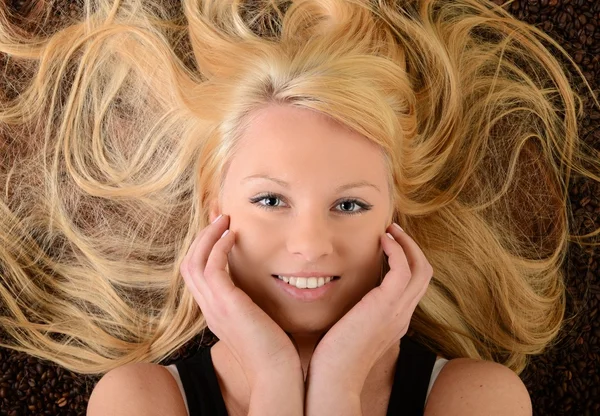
[(349, 206), (270, 201), (353, 206), (267, 201)]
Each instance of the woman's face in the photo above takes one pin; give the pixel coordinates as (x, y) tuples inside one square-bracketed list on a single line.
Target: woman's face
[(323, 211)]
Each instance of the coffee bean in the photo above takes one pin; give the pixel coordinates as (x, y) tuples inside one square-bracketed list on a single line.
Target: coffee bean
[(562, 20), (570, 368)]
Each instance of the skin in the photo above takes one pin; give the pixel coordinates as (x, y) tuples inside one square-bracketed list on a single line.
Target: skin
[(310, 226)]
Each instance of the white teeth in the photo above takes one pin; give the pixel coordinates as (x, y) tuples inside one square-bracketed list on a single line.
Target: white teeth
[(306, 282)]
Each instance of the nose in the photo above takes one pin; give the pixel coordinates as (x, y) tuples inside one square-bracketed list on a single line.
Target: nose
[(310, 238)]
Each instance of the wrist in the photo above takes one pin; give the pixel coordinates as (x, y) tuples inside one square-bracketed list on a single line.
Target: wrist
[(323, 376), (278, 393), (324, 400)]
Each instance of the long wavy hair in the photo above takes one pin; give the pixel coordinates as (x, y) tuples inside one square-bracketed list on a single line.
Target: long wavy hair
[(122, 131)]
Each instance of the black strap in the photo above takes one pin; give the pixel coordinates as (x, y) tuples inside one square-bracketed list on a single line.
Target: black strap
[(409, 391), (201, 386), (413, 373)]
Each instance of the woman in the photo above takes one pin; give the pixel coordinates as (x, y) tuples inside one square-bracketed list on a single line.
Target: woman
[(445, 112), (328, 202)]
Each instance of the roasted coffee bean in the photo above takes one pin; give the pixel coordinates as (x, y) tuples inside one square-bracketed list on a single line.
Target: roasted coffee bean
[(564, 380)]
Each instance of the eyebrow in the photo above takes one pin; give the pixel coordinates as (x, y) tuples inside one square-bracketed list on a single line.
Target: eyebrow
[(340, 188)]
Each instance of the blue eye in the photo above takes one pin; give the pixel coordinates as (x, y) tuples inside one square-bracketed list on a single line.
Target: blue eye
[(272, 202), (352, 203), (270, 198)]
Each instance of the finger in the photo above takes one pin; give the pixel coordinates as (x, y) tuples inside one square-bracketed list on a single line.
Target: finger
[(194, 281), (196, 240), (419, 265), (203, 231), (184, 267), (192, 248), (399, 267), (200, 233), (191, 286), (199, 256), (215, 272)]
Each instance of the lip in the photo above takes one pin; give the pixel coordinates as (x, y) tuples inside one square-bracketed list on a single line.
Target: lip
[(306, 295), (307, 274)]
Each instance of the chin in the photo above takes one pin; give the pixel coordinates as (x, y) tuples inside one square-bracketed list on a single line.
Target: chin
[(308, 325)]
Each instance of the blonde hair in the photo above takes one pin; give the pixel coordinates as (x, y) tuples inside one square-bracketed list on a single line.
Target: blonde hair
[(110, 154)]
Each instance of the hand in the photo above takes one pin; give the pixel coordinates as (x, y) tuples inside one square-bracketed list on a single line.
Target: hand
[(259, 345), (348, 351)]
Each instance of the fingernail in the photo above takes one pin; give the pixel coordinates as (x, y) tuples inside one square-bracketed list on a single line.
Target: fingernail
[(225, 233), (217, 219), (397, 226), (390, 236)]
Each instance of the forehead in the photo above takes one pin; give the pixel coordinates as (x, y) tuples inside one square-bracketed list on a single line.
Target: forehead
[(286, 139)]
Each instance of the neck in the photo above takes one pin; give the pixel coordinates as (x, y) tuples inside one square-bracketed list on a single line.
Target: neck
[(305, 345)]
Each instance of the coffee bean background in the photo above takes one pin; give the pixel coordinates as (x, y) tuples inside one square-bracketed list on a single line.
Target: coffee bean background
[(563, 381)]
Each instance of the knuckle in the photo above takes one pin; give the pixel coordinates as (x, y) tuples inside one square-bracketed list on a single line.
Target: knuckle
[(429, 269), (220, 308), (193, 265), (184, 269), (209, 270), (426, 267)]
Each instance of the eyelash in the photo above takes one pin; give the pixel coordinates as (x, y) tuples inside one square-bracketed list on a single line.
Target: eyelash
[(365, 207)]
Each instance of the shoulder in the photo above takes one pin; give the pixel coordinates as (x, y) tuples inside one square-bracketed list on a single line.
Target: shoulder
[(473, 387), (137, 389)]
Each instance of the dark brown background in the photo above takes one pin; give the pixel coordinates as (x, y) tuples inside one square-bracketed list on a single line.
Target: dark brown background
[(563, 381)]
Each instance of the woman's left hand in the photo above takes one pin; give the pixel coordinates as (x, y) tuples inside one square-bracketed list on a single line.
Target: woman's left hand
[(345, 355)]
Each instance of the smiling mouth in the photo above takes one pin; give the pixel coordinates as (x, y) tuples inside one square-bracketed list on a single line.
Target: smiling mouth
[(332, 277), (307, 282)]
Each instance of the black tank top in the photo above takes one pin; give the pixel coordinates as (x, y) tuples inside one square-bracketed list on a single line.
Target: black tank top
[(409, 391)]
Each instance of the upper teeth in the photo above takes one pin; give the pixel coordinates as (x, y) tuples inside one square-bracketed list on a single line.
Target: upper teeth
[(305, 282)]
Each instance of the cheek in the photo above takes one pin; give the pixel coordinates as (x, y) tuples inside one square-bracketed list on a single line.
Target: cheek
[(364, 240), (362, 250), (255, 239)]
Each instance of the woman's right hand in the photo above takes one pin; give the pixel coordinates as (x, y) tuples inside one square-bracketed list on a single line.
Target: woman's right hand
[(260, 346)]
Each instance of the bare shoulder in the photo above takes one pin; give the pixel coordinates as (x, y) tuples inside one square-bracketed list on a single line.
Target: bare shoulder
[(137, 389), (475, 387)]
